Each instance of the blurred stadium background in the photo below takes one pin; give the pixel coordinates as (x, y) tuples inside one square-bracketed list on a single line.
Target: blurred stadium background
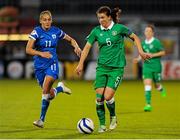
[(77, 17)]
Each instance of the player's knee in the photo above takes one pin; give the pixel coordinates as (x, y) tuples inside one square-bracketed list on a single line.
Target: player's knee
[(108, 97)]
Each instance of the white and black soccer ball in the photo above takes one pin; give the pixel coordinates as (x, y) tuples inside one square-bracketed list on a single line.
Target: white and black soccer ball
[(85, 126)]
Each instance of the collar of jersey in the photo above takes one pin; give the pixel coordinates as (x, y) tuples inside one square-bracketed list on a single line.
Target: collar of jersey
[(109, 27), (45, 30), (149, 41)]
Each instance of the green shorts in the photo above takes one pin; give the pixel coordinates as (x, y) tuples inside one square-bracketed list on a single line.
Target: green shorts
[(155, 76), (108, 77)]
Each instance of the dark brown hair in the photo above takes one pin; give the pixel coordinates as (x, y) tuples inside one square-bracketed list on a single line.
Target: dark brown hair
[(151, 26), (114, 13)]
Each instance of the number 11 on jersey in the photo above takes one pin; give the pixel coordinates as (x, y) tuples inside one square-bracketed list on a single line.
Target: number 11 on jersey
[(48, 43)]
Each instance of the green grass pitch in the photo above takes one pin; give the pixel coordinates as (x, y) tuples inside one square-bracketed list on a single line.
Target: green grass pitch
[(20, 105)]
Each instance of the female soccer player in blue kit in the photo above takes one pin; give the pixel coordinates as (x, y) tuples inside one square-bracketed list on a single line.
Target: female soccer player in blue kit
[(42, 45)]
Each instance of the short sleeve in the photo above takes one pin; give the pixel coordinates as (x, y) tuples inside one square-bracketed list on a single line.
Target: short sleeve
[(159, 46), (91, 38), (34, 35), (61, 34), (125, 30)]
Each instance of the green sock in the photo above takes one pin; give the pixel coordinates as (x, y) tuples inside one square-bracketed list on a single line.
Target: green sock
[(100, 109), (148, 97), (111, 107), (100, 112)]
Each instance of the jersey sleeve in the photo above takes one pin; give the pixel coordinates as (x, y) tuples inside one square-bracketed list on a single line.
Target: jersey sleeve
[(159, 46), (91, 38), (126, 31), (61, 34), (34, 34)]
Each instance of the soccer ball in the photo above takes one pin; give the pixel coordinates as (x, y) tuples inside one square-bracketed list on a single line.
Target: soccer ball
[(85, 125)]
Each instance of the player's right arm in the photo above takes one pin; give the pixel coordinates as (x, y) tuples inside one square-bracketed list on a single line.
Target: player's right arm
[(29, 47), (31, 51), (83, 57), (91, 38)]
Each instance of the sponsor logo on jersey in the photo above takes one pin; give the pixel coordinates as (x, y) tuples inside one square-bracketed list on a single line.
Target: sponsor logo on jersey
[(151, 46)]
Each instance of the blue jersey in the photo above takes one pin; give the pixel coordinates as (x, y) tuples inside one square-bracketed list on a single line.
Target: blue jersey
[(46, 41)]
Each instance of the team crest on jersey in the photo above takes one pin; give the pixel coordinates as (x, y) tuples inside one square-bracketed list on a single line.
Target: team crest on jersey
[(101, 34), (151, 46), (114, 33), (53, 36), (34, 33)]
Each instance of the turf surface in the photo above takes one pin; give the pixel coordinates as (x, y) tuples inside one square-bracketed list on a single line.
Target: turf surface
[(20, 106)]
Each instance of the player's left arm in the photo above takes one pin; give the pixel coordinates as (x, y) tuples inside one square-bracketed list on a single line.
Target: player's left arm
[(73, 42), (160, 48), (158, 54)]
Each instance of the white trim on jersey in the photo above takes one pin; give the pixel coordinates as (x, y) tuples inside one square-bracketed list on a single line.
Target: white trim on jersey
[(109, 27), (60, 34), (32, 37), (149, 41)]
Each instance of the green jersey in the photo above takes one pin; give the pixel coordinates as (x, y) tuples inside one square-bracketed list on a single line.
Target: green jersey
[(153, 46), (110, 44)]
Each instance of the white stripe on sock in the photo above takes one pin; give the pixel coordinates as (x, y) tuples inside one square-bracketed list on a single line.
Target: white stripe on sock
[(45, 96), (147, 88), (100, 103), (110, 101)]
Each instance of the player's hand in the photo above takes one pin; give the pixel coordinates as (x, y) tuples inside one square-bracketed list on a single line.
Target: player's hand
[(78, 51), (46, 54), (145, 56), (79, 69)]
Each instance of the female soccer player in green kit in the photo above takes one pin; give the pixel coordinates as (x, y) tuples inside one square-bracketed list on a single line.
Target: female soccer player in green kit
[(152, 68), (111, 61)]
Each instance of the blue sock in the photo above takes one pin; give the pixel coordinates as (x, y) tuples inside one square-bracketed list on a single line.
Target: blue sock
[(58, 90), (44, 108)]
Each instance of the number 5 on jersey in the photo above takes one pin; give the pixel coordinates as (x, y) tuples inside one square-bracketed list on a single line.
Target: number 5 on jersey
[(108, 41)]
